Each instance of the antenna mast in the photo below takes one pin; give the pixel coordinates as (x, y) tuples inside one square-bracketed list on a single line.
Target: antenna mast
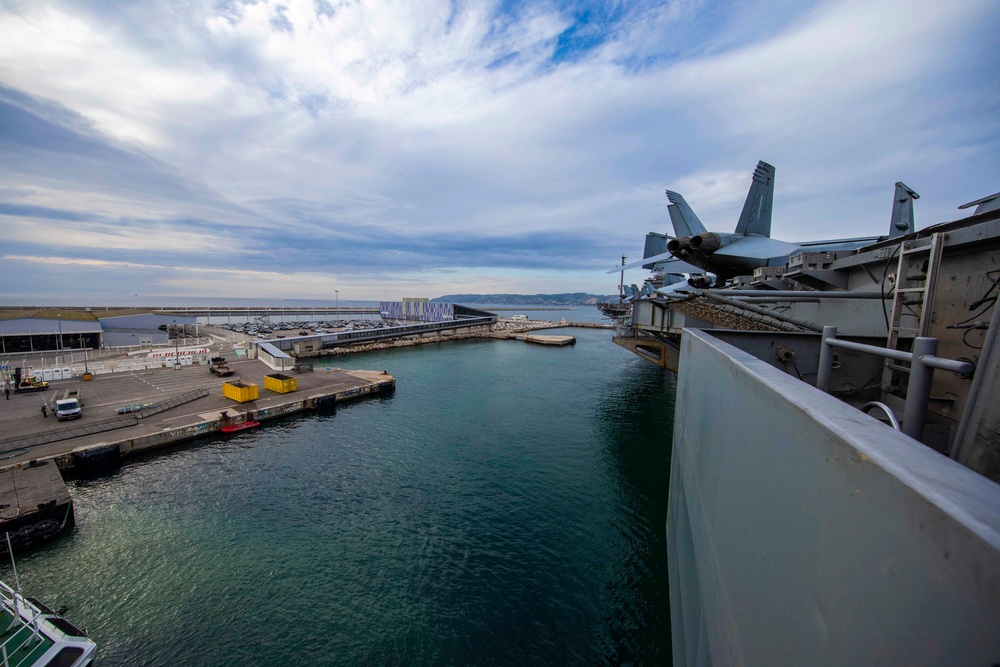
[(621, 282)]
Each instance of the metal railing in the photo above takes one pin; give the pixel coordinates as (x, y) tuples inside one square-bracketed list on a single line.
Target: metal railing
[(21, 632), (167, 404), (67, 433), (124, 421), (923, 361)]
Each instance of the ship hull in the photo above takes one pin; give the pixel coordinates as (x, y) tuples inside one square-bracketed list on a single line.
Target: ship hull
[(802, 531)]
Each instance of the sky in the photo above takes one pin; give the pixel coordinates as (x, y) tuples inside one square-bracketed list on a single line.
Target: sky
[(380, 149)]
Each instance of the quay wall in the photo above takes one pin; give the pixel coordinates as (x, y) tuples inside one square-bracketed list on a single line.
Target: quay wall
[(581, 325), (515, 330), (35, 504), (151, 441)]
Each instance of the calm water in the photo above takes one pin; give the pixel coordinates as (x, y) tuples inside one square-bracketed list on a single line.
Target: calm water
[(505, 506)]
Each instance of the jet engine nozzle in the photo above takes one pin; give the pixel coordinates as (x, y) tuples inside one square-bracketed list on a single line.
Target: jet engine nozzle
[(703, 281), (679, 247), (706, 243)]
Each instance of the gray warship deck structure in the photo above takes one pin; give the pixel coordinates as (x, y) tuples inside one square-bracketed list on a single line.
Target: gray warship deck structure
[(835, 475)]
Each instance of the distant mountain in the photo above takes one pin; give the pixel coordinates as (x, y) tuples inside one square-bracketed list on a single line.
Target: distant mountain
[(574, 299)]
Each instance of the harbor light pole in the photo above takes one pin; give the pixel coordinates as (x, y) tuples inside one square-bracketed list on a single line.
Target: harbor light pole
[(621, 283), (59, 318), (177, 354), (337, 293)]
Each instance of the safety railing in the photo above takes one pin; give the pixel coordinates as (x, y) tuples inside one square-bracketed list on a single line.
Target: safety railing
[(923, 362), (66, 433)]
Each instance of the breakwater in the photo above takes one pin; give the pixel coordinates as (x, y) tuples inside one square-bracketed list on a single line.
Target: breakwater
[(503, 330)]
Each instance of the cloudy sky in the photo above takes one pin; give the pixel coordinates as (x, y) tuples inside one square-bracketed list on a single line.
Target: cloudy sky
[(291, 148)]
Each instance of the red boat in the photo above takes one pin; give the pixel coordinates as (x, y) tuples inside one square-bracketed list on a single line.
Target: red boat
[(234, 428)]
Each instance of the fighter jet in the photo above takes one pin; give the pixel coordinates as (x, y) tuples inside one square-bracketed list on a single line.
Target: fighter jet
[(727, 255)]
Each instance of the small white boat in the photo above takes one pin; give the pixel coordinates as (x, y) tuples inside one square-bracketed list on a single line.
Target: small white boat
[(35, 636)]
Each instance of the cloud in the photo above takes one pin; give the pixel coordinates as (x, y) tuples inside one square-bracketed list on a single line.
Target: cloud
[(392, 143)]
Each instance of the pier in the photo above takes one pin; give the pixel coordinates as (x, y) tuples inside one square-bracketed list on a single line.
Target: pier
[(34, 504), (319, 344), (173, 407), (557, 341), (155, 417)]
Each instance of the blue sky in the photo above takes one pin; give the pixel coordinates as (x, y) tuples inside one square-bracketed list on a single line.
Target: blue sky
[(387, 149)]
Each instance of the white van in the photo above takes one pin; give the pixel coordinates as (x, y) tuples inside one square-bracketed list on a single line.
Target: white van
[(68, 408)]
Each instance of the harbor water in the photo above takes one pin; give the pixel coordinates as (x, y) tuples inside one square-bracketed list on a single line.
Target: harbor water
[(504, 506)]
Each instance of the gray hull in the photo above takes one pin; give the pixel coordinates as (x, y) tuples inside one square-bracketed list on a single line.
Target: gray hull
[(802, 531)]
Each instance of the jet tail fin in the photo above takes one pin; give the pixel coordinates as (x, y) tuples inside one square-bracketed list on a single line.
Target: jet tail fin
[(656, 244), (685, 222), (901, 222), (756, 215)]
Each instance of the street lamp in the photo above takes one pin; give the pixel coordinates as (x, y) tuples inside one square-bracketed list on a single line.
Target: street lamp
[(80, 338), (177, 354), (337, 293), (59, 318)]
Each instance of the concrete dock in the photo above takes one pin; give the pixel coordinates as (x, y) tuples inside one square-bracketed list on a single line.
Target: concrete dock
[(35, 503), (25, 430), (557, 341)]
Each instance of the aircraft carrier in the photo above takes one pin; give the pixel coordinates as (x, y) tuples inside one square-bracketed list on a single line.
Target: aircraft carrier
[(835, 475)]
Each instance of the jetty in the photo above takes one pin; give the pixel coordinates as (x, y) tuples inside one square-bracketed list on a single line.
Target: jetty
[(142, 410), (34, 504), (125, 414), (558, 341)]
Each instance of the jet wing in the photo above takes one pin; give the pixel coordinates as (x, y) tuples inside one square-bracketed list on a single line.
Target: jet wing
[(647, 260), (757, 247)]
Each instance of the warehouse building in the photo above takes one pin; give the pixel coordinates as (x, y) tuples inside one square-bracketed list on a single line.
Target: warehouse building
[(49, 329), (127, 328)]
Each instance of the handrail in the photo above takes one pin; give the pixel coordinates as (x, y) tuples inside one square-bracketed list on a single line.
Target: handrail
[(884, 408), (779, 295), (923, 361), (940, 363)]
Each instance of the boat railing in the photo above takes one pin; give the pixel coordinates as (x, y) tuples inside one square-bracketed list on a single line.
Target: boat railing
[(15, 604), (923, 362)]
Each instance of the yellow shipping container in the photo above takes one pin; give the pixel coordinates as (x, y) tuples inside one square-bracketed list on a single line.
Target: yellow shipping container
[(240, 391), (281, 384)]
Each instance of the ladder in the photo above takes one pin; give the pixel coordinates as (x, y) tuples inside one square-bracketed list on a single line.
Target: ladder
[(906, 298)]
